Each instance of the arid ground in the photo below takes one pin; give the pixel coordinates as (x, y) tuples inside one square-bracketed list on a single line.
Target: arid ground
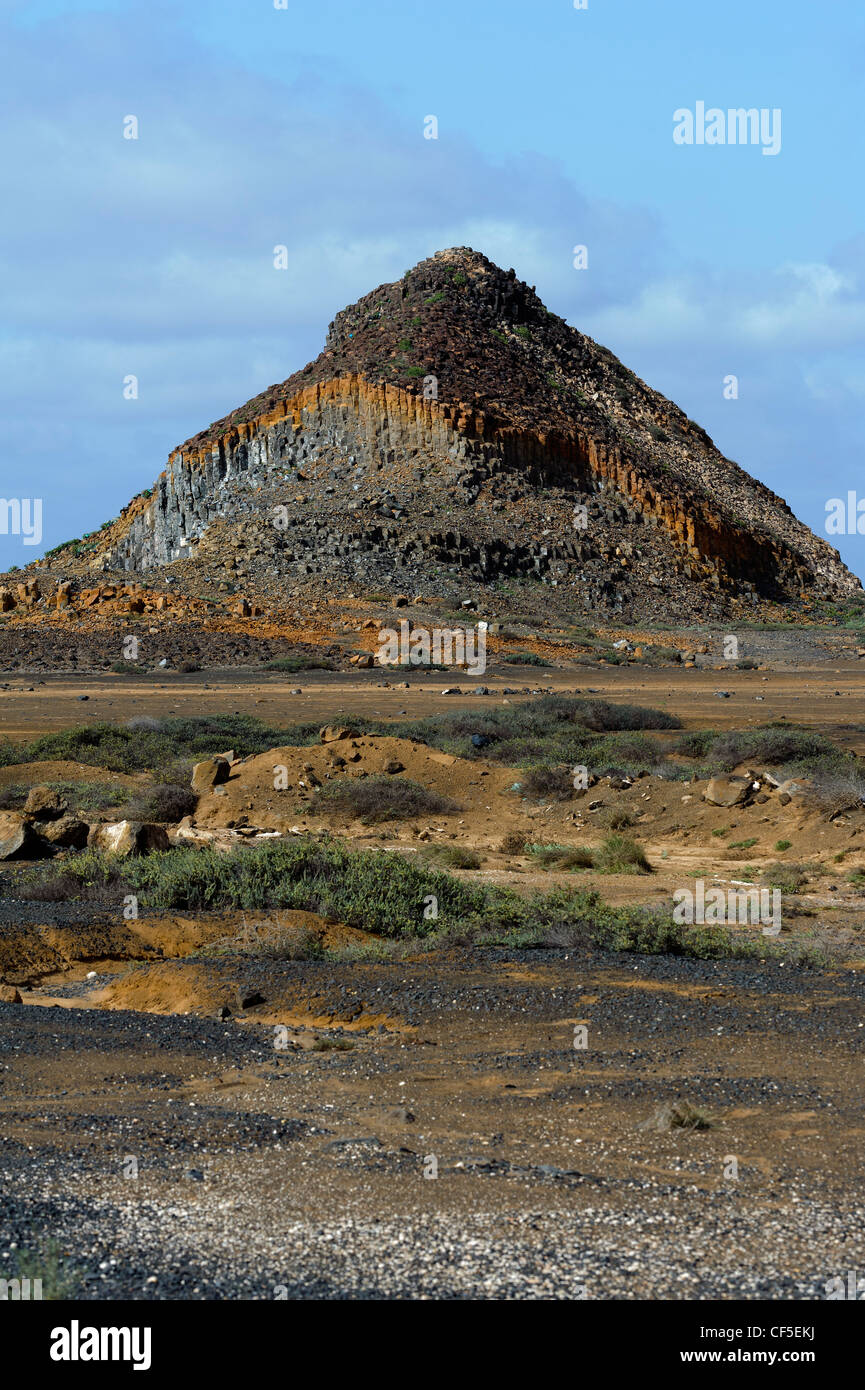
[(237, 1101)]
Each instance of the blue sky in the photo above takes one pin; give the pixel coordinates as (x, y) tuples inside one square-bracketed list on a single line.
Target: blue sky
[(304, 127)]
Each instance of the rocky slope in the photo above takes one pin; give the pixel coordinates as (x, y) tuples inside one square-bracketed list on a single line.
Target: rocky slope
[(454, 431)]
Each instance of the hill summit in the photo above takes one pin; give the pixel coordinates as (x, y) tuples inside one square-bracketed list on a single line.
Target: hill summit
[(452, 431)]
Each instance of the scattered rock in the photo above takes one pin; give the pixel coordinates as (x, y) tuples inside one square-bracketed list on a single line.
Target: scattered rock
[(16, 835), (332, 733), (727, 791), (680, 1114), (67, 832), (209, 774), (127, 837), (44, 803)]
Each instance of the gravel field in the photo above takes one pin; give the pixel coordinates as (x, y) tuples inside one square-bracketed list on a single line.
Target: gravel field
[(300, 1173)]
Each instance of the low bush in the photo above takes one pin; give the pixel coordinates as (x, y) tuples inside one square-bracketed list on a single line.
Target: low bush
[(451, 857), (292, 664), (379, 798), (524, 659), (385, 894), (621, 855), (549, 783), (165, 803), (561, 857)]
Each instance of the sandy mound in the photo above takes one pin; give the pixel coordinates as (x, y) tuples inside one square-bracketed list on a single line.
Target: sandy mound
[(251, 798)]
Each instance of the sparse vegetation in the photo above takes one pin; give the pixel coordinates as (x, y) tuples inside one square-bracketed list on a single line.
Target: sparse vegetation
[(621, 855), (129, 668), (525, 659), (386, 894), (379, 798), (790, 878), (562, 857), (514, 842), (300, 663), (549, 783), (47, 1263), (451, 857), (166, 803)]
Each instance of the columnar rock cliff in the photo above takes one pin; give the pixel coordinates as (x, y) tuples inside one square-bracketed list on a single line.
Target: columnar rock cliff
[(454, 426)]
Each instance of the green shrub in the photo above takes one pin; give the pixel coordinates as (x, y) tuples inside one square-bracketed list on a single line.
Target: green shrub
[(128, 668), (562, 857), (553, 729), (524, 659), (775, 745), (549, 783), (451, 857), (379, 798), (165, 803), (696, 743), (383, 893), (790, 878), (621, 855)]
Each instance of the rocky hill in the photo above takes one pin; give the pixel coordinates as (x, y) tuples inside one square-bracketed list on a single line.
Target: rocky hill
[(455, 433)]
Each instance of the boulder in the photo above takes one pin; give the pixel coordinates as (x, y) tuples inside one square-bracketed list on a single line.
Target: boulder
[(44, 803), (67, 832), (28, 592), (727, 791), (333, 733), (16, 835), (127, 837), (9, 995), (794, 786), (209, 774)]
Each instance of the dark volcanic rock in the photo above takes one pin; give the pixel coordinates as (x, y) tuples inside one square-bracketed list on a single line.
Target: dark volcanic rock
[(455, 428)]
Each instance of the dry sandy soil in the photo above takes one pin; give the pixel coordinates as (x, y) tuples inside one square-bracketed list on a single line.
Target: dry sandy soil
[(289, 1148)]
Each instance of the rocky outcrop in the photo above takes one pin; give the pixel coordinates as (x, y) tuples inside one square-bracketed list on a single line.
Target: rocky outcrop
[(453, 421)]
